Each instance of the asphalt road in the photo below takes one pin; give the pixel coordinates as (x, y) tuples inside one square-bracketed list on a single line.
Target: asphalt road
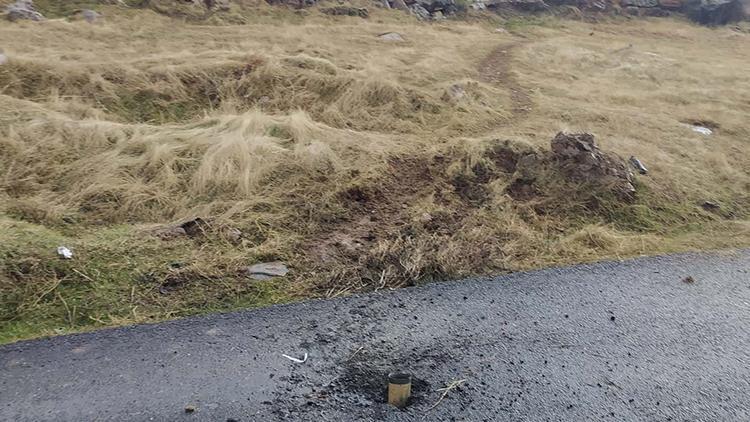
[(626, 341)]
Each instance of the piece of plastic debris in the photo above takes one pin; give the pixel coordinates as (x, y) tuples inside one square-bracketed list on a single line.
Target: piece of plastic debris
[(293, 359), (64, 252), (636, 163), (702, 130), (267, 270)]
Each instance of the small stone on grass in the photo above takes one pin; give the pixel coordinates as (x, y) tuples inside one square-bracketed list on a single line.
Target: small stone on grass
[(267, 270), (391, 36)]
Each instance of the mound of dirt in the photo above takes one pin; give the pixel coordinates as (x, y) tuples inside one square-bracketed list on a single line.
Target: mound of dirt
[(580, 159), (574, 167), (573, 160)]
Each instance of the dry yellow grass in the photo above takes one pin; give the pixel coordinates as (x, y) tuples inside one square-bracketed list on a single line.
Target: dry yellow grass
[(341, 154)]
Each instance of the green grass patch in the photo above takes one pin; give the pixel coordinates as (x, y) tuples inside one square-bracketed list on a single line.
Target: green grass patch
[(118, 275)]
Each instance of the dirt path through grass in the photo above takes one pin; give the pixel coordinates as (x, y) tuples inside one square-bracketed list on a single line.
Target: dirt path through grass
[(497, 69)]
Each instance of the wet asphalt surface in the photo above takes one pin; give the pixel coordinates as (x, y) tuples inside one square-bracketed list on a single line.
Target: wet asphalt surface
[(625, 341)]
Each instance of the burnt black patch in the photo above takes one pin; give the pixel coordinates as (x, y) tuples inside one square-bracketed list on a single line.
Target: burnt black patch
[(369, 381)]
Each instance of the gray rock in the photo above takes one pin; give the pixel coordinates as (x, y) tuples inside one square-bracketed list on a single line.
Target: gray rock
[(267, 270), (636, 163), (671, 4), (90, 16), (710, 206), (420, 12), (656, 12), (391, 36), (579, 158), (22, 10), (296, 4), (640, 3), (523, 5), (222, 4), (400, 5), (715, 12), (362, 12), (633, 11)]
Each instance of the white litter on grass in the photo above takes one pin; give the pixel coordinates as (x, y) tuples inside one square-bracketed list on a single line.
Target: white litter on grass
[(303, 360), (702, 130), (64, 252)]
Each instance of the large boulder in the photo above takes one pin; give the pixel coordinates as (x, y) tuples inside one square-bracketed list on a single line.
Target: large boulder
[(22, 10), (715, 12)]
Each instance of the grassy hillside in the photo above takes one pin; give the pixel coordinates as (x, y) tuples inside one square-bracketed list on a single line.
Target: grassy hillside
[(362, 163)]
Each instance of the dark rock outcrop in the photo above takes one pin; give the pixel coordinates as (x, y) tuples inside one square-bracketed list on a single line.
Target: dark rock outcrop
[(640, 3), (445, 6), (523, 5), (715, 12), (346, 11), (426, 9), (22, 10)]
